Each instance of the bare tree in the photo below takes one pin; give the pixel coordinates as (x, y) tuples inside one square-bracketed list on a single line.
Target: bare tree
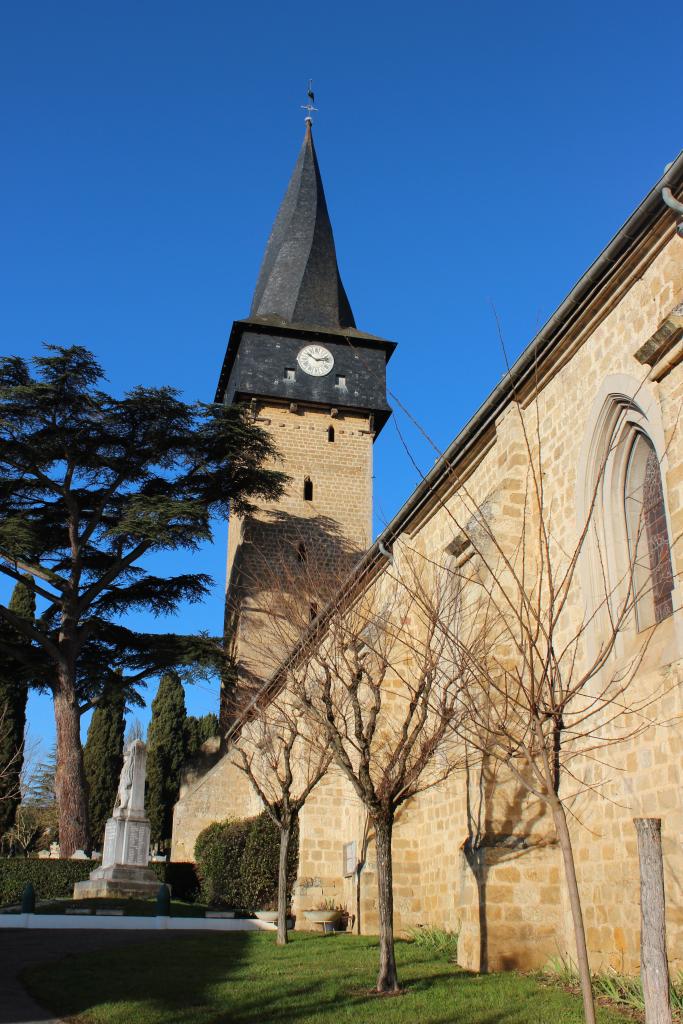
[(283, 762), (378, 679), (548, 687), (35, 824)]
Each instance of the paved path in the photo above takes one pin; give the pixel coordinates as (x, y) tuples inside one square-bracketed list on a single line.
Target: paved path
[(22, 948)]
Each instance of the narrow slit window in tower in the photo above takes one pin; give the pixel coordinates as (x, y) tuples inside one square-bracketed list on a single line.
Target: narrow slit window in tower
[(308, 489), (330, 433)]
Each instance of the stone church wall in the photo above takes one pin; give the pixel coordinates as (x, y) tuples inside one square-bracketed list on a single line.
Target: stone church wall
[(224, 792), (507, 898), (475, 854)]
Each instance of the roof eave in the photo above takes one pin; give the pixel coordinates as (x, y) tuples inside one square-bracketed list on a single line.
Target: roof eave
[(650, 210)]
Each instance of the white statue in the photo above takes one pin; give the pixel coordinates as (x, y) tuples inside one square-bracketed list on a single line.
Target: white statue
[(131, 792), (125, 791), (125, 855)]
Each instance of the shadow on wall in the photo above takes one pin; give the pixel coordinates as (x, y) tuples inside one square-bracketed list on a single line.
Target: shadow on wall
[(286, 568), (500, 831)]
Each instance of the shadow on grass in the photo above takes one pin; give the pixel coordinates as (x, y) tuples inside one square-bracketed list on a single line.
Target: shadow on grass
[(243, 978)]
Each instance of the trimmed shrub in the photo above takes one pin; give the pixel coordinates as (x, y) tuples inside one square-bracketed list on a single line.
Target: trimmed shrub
[(181, 876), (218, 852), (237, 863), (54, 879), (260, 864)]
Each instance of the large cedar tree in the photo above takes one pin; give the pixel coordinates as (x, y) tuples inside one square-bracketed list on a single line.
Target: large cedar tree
[(91, 484)]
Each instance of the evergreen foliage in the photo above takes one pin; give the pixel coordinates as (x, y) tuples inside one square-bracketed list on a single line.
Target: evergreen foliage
[(13, 697), (103, 759), (90, 484), (54, 879), (165, 754), (260, 863), (197, 731), (238, 861), (218, 853)]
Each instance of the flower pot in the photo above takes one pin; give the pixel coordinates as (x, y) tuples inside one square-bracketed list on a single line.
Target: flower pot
[(322, 916), (270, 916)]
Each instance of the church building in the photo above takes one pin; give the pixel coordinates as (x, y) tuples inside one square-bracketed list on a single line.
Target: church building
[(599, 389)]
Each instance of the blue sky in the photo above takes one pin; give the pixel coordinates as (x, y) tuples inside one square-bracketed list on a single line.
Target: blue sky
[(475, 157)]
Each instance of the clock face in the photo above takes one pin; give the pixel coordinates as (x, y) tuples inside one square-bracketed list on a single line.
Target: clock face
[(315, 360)]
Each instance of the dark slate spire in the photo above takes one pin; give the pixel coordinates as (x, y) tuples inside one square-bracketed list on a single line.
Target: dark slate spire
[(299, 279)]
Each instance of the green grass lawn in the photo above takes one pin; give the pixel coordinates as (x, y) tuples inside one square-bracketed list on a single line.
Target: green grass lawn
[(244, 978)]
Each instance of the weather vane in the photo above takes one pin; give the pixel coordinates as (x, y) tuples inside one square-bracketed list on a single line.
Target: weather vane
[(311, 100)]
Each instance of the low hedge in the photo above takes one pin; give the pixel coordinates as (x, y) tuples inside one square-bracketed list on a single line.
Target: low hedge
[(181, 876), (218, 852), (54, 879), (238, 861)]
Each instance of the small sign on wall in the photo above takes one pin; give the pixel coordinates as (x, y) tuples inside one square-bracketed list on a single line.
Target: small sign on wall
[(350, 859)]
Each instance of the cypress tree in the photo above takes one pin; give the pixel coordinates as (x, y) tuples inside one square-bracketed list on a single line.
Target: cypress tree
[(165, 754), (197, 731), (102, 760), (13, 697)]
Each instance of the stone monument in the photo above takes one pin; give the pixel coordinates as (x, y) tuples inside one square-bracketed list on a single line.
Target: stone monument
[(124, 870)]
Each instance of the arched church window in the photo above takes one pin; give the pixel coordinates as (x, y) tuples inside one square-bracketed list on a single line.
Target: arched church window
[(330, 434), (626, 560), (648, 536), (308, 489)]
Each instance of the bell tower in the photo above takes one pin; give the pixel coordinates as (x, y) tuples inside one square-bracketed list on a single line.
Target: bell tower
[(318, 385)]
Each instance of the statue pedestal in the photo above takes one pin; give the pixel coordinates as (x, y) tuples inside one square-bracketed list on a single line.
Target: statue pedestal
[(120, 881), (124, 871)]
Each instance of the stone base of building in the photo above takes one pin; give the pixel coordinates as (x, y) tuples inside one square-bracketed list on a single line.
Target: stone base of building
[(118, 881)]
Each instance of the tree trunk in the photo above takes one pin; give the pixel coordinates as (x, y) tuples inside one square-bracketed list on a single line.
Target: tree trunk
[(565, 841), (70, 787), (285, 834), (654, 967), (387, 979)]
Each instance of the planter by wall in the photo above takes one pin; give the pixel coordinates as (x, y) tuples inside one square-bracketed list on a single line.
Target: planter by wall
[(322, 916), (267, 915)]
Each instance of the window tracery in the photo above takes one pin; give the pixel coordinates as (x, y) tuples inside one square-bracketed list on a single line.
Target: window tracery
[(626, 563), (648, 536)]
